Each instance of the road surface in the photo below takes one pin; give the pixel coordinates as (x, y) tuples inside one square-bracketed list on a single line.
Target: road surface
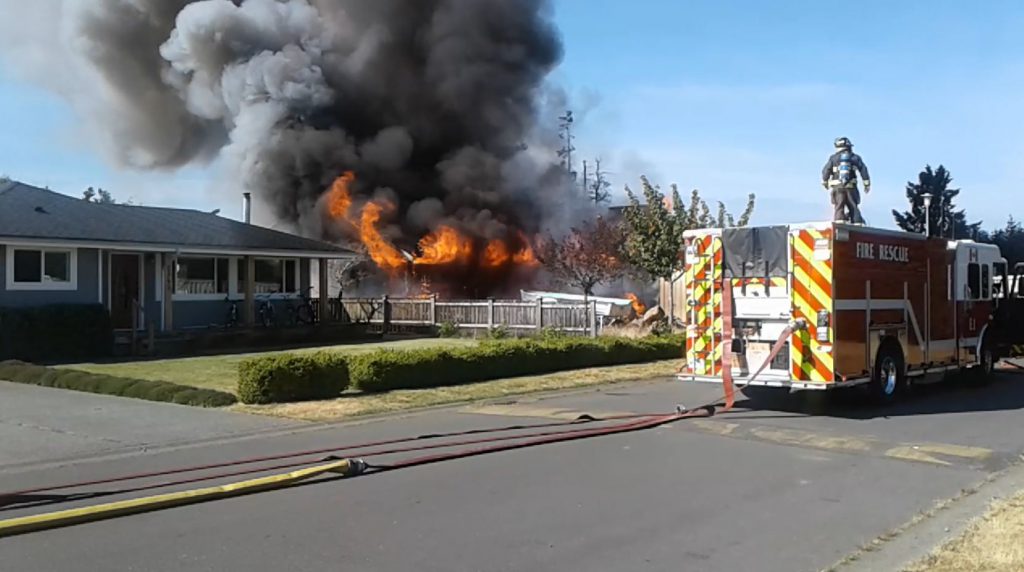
[(793, 485)]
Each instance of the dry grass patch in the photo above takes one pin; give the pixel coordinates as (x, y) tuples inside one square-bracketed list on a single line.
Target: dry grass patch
[(992, 543), (355, 404)]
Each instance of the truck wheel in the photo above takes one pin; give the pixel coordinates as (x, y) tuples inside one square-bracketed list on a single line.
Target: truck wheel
[(981, 374), (890, 377)]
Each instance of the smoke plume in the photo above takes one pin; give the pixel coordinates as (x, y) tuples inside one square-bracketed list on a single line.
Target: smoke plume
[(433, 104)]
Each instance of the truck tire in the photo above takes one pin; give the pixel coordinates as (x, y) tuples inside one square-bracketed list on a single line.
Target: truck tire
[(889, 379), (981, 374)]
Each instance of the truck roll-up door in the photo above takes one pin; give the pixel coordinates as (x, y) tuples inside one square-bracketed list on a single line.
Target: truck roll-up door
[(760, 252)]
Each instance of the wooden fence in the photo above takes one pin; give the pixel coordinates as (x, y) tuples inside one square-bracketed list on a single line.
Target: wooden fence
[(467, 314)]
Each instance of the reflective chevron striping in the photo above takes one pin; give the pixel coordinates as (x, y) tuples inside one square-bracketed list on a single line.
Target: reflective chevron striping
[(811, 293)]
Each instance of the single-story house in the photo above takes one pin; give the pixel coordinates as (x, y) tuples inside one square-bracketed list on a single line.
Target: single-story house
[(150, 267)]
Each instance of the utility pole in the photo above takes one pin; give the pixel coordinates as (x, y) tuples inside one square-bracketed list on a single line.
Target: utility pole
[(586, 188), (565, 123)]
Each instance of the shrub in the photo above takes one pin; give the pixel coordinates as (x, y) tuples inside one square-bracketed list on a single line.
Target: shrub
[(21, 372), (499, 332), (448, 330), (61, 332), (550, 333), (290, 377), (388, 370)]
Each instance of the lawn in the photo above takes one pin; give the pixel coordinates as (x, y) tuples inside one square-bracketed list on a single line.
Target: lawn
[(221, 372), (355, 404), (993, 543)]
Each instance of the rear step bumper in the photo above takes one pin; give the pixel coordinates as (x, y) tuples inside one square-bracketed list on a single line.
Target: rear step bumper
[(768, 380)]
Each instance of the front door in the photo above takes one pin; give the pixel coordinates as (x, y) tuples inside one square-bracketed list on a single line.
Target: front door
[(125, 290)]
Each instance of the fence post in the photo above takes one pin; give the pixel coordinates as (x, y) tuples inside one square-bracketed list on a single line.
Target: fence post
[(433, 309), (592, 315), (540, 315), (490, 313), (386, 318)]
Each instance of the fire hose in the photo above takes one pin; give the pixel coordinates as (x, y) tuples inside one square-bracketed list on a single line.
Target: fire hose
[(343, 467)]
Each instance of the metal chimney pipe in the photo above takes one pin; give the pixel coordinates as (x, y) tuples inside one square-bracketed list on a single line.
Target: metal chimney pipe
[(247, 208)]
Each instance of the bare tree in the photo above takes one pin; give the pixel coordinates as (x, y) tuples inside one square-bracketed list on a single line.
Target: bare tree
[(598, 190)]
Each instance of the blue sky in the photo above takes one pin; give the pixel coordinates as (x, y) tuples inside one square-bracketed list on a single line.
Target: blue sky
[(728, 96)]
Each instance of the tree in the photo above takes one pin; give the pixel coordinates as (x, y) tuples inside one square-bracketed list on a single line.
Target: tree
[(1010, 240), (944, 220), (565, 124), (350, 273), (101, 196), (586, 257), (654, 230), (599, 189)]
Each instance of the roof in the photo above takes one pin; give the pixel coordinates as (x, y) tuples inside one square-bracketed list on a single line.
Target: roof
[(30, 213)]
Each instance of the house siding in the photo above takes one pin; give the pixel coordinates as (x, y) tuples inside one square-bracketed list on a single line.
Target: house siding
[(88, 291)]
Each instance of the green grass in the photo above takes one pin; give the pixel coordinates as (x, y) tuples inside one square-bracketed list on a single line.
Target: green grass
[(221, 372)]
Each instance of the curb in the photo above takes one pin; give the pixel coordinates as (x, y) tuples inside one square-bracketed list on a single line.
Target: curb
[(947, 520)]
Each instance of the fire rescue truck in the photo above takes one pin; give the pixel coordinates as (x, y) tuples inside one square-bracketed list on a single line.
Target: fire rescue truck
[(828, 305)]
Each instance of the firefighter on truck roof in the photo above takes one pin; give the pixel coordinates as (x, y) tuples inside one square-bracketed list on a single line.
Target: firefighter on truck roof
[(840, 175)]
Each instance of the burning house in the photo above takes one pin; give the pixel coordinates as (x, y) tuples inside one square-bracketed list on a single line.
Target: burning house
[(406, 129)]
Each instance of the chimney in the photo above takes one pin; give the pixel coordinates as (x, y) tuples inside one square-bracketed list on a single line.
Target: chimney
[(247, 208)]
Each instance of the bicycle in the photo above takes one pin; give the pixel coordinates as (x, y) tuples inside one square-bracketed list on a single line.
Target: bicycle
[(303, 312), (231, 320), (265, 311)]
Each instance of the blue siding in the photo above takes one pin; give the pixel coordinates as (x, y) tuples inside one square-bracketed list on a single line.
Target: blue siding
[(88, 284)]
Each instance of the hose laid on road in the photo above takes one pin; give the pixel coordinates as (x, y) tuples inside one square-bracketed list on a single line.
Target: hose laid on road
[(5, 498), (343, 467)]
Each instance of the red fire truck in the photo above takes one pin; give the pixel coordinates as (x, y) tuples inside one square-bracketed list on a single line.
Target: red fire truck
[(827, 305)]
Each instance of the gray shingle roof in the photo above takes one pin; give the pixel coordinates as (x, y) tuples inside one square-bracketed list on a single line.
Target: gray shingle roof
[(28, 212)]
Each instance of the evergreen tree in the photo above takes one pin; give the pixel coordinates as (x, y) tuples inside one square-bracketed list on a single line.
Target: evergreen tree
[(945, 221)]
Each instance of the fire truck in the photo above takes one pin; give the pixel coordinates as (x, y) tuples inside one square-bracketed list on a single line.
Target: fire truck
[(829, 305)]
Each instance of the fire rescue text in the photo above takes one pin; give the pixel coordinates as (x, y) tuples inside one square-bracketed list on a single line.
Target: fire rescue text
[(885, 252)]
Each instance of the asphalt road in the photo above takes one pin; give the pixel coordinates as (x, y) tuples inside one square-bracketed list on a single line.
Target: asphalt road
[(792, 485)]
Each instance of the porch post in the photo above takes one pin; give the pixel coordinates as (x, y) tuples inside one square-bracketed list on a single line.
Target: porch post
[(248, 304), (170, 263), (325, 294)]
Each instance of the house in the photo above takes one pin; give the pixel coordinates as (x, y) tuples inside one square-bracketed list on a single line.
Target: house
[(150, 267)]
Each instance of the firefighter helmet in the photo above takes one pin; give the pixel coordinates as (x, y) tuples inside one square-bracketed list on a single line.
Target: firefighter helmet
[(844, 143)]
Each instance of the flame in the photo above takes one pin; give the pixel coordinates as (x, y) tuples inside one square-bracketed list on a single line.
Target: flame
[(339, 199), (496, 255), (525, 256), (638, 306), (444, 246), (386, 256)]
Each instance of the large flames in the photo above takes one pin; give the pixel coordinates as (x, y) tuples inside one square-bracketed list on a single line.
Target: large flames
[(446, 251)]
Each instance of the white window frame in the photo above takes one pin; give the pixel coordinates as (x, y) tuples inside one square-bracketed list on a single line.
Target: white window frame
[(70, 286), (180, 296), (235, 287), (239, 289)]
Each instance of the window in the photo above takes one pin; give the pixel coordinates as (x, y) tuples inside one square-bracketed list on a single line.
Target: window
[(999, 280), (986, 282), (42, 269), (272, 275), (202, 276), (974, 281)]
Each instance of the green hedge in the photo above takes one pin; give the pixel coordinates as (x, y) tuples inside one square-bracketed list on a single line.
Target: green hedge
[(388, 370), (61, 332), (290, 377), (20, 372)]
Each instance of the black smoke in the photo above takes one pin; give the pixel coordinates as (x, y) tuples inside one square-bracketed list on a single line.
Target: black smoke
[(434, 104)]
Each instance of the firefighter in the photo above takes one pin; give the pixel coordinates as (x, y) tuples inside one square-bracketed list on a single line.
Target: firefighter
[(840, 175)]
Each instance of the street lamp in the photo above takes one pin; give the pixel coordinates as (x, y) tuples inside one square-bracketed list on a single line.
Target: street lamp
[(927, 197)]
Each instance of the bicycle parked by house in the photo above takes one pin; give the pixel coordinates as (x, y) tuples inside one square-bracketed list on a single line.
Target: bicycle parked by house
[(265, 311), (303, 312), (231, 319)]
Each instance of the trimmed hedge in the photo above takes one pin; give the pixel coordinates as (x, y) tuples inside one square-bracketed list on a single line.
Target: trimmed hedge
[(20, 372), (60, 332), (292, 377), (388, 370)]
